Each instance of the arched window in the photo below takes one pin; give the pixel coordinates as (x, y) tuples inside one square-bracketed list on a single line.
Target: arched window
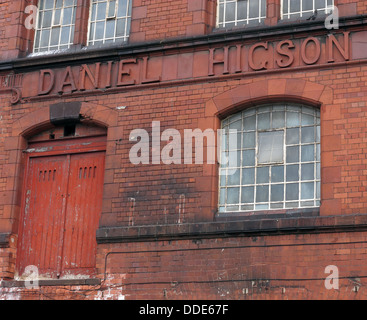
[(275, 163)]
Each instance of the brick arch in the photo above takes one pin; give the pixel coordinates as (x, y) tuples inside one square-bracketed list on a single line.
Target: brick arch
[(39, 120), (273, 90)]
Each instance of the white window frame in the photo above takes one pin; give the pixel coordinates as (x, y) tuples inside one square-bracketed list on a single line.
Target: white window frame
[(303, 13), (226, 169), (127, 17), (261, 17), (40, 29)]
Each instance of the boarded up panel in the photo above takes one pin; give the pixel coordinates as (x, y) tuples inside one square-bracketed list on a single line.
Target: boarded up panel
[(41, 236), (62, 208), (84, 205)]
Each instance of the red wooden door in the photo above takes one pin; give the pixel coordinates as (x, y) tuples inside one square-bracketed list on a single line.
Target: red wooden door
[(62, 204)]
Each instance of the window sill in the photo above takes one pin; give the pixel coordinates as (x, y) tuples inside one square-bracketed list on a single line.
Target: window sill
[(51, 282), (246, 227)]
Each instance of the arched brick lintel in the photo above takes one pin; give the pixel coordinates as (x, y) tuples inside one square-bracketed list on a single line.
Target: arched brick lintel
[(39, 120), (272, 90)]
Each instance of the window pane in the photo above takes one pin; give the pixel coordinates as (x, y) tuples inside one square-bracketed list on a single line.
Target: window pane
[(47, 16), (249, 123), (307, 190), (253, 8), (247, 195), (295, 5), (120, 28), (292, 173), (249, 140), (248, 176), (262, 175), (307, 172), (263, 121), (110, 29), (230, 11), (248, 157), (278, 120), (262, 193), (65, 35), (292, 190), (293, 136), (308, 153), (292, 154), (277, 174), (277, 192), (308, 134), (101, 10), (55, 35), (270, 147), (292, 119), (45, 38), (233, 195), (241, 10)]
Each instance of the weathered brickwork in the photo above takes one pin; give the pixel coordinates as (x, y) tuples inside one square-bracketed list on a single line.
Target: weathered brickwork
[(160, 236)]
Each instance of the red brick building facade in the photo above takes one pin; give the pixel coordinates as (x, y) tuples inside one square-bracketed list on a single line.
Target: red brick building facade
[(72, 96)]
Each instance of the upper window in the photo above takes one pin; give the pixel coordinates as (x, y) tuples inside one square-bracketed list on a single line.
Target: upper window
[(55, 25), (240, 12), (304, 8), (109, 21), (275, 163)]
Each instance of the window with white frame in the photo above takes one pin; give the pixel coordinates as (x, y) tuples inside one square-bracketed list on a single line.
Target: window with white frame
[(232, 13), (55, 25), (109, 21), (304, 8), (275, 162)]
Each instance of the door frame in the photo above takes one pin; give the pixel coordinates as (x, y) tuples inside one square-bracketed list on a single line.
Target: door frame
[(65, 146)]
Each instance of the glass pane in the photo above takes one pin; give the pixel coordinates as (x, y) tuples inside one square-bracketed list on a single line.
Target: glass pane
[(47, 16), (247, 195), (318, 171), (249, 140), (292, 191), (121, 8), (293, 136), (295, 5), (237, 125), (230, 11), (253, 8), (233, 179), (248, 176), (249, 123), (48, 4), (94, 12), (278, 120), (221, 13), (292, 119), (262, 193), (222, 196), (120, 28), (65, 35), (101, 10), (57, 17), (248, 157), (111, 8), (277, 174), (319, 4), (270, 147), (307, 119), (45, 36), (308, 134), (307, 190), (277, 192), (292, 154), (68, 3), (241, 10), (233, 195), (292, 173), (307, 5), (261, 207), (58, 3), (263, 121), (67, 16), (99, 30), (308, 153), (262, 175), (307, 172), (110, 29), (55, 36)]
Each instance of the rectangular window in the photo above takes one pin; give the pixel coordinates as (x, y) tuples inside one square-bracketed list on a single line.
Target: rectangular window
[(292, 9), (55, 25), (109, 21), (232, 13)]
